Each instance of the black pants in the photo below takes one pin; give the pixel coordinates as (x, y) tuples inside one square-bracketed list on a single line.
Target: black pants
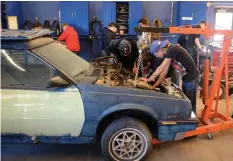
[(190, 90), (193, 52)]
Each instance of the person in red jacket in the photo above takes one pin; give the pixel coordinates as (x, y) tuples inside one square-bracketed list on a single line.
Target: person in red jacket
[(70, 36)]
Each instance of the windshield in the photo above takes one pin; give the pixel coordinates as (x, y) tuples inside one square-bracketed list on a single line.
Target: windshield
[(58, 55)]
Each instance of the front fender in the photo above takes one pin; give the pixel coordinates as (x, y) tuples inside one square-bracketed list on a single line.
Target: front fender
[(128, 106)]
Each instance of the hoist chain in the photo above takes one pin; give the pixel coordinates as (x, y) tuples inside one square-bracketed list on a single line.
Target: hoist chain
[(139, 63)]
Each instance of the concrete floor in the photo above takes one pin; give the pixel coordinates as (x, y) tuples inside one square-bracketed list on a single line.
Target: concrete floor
[(199, 149)]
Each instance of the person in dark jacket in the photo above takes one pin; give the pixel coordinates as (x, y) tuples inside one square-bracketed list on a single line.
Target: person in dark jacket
[(151, 63), (108, 34), (124, 50), (182, 40), (70, 36)]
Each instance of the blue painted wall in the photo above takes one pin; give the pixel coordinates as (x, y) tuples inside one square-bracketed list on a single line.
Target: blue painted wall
[(150, 9), (49, 10), (95, 9), (157, 9), (14, 8), (42, 9)]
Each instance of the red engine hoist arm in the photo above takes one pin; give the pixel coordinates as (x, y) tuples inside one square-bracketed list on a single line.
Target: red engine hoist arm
[(207, 32)]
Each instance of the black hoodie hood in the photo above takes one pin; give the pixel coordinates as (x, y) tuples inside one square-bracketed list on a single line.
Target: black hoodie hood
[(106, 37)]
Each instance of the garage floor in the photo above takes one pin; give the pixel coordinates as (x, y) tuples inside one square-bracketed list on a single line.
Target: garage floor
[(199, 149)]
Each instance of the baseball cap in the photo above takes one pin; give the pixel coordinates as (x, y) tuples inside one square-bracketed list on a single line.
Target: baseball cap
[(156, 45), (124, 47)]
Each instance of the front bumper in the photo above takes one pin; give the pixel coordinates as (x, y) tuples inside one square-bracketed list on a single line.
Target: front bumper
[(174, 130)]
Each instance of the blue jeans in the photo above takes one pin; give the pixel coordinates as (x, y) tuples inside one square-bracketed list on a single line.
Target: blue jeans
[(190, 90)]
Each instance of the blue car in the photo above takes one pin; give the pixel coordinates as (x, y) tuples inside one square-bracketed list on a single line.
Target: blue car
[(50, 95)]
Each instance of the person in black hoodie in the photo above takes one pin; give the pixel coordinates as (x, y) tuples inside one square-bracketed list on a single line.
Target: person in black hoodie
[(125, 50), (108, 34)]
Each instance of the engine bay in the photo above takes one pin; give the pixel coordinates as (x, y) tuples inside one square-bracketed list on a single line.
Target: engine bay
[(113, 74)]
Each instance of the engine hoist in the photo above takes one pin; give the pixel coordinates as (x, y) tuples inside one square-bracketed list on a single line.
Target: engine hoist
[(210, 117)]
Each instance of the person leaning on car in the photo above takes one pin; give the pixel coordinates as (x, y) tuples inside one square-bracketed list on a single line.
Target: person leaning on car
[(124, 50), (181, 61), (70, 36), (151, 63)]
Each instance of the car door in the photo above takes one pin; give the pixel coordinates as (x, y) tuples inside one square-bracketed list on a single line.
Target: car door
[(30, 105)]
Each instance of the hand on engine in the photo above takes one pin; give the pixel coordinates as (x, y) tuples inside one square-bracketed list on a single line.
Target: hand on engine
[(154, 86), (151, 79), (144, 79), (147, 81)]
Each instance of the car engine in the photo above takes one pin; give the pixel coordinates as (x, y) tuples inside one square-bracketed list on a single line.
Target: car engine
[(113, 74)]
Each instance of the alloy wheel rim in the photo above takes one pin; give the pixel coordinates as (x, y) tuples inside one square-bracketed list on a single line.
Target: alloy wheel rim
[(128, 144)]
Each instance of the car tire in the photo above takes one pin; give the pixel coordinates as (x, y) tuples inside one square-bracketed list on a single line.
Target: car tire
[(123, 136)]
